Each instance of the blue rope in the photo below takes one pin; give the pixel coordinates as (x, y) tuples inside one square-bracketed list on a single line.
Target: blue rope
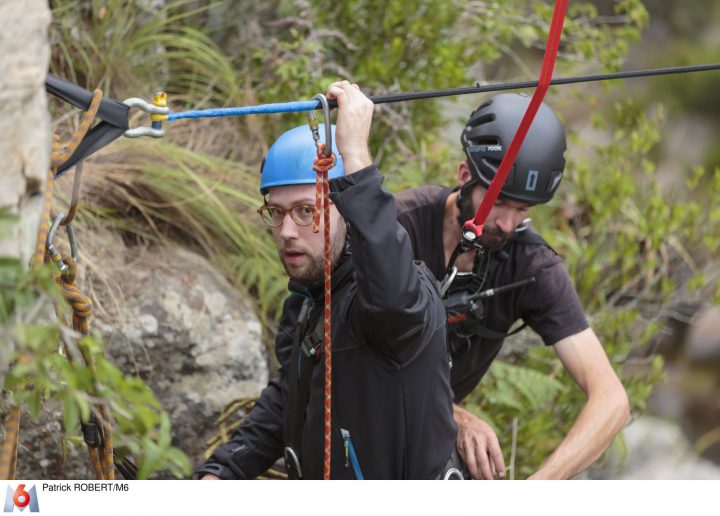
[(279, 107)]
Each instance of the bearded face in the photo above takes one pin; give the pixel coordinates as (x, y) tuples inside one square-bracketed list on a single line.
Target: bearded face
[(500, 225), (301, 250)]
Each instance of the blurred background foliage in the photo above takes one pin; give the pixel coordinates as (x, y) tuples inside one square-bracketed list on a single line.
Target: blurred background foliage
[(633, 245)]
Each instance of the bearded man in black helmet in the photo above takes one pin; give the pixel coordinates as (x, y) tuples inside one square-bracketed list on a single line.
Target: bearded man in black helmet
[(513, 276)]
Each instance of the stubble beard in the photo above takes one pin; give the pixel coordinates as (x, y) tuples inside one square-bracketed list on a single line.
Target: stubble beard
[(314, 273)]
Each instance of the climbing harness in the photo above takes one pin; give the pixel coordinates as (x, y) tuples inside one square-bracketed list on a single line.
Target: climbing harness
[(308, 340), (323, 163)]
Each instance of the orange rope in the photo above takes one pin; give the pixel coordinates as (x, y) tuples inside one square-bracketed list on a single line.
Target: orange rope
[(101, 458), (321, 166)]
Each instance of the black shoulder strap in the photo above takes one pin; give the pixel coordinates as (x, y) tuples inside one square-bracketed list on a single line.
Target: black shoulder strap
[(307, 350), (299, 378)]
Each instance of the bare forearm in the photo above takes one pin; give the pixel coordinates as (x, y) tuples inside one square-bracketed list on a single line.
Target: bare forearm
[(602, 417)]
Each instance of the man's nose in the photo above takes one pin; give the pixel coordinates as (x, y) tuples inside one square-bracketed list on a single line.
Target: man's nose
[(289, 229), (505, 221)]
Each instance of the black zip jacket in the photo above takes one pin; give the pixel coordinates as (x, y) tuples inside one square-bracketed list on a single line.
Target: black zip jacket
[(391, 379)]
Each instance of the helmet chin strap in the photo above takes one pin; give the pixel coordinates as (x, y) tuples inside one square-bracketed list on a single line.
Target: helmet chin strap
[(462, 194), (462, 247)]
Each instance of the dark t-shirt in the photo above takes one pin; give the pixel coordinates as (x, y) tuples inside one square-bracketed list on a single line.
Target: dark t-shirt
[(550, 306)]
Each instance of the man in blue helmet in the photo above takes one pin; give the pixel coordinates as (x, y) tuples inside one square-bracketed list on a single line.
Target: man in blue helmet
[(391, 397), (516, 276)]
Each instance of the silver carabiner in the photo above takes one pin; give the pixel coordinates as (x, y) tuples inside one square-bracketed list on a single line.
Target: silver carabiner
[(447, 281), (159, 112), (453, 474), (54, 253), (312, 120)]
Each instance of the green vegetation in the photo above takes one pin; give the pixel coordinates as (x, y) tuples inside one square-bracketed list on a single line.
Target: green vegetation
[(40, 373), (626, 240)]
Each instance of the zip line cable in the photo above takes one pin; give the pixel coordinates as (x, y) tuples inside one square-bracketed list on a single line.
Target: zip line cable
[(309, 105), (115, 114)]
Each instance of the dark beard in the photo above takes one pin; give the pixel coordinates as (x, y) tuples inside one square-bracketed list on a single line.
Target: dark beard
[(493, 238)]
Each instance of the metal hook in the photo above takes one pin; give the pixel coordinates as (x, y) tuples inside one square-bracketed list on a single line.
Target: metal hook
[(158, 110), (77, 183), (447, 281), (54, 253), (328, 124)]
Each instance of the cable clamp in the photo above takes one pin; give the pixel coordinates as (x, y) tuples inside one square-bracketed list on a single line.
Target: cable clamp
[(158, 110)]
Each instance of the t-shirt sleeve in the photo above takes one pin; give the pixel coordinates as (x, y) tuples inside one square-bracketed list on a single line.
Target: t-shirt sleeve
[(551, 306)]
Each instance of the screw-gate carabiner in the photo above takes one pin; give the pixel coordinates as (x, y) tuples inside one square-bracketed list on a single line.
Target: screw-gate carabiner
[(54, 253), (158, 111), (313, 122)]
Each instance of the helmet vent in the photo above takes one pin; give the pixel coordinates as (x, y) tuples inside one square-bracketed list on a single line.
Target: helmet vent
[(484, 119)]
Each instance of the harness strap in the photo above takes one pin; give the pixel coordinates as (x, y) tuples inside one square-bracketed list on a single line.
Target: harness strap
[(307, 347), (298, 393)]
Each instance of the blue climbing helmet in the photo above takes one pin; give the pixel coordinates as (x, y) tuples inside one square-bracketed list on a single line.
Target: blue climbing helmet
[(290, 159)]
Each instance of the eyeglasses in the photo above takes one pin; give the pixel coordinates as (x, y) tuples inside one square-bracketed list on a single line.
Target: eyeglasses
[(273, 216)]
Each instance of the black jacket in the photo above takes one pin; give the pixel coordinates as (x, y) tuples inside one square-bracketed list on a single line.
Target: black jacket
[(391, 379)]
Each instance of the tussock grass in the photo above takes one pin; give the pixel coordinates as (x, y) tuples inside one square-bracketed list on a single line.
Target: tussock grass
[(160, 191)]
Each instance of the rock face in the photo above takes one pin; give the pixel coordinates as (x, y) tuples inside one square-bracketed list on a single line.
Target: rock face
[(658, 450), (690, 392), (167, 316), (25, 129), (192, 339), (24, 120)]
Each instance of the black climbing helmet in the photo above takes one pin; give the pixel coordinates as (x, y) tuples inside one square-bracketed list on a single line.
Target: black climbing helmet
[(539, 165)]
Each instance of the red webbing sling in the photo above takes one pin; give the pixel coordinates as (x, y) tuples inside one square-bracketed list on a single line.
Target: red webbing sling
[(476, 224)]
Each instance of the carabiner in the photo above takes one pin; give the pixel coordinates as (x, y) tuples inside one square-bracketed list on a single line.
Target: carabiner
[(158, 111), (75, 200), (54, 253), (447, 280), (313, 122)]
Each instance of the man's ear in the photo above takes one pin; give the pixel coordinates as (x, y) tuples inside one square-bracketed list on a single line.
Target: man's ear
[(464, 174)]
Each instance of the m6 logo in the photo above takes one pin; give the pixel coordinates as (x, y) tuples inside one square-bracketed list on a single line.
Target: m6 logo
[(21, 499)]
